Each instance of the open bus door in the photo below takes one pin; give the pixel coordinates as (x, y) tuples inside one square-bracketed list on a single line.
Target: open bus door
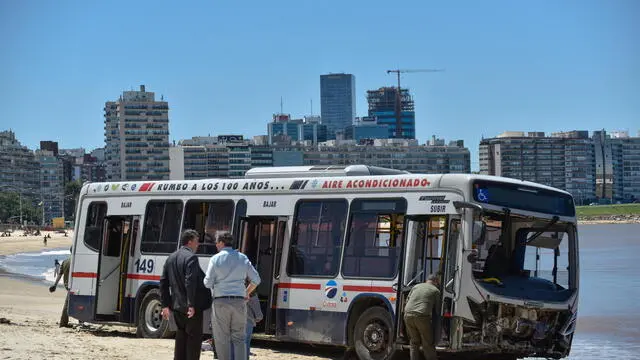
[(262, 239), (113, 263), (430, 249)]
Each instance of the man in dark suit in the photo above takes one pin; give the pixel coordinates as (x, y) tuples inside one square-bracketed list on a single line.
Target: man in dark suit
[(184, 295)]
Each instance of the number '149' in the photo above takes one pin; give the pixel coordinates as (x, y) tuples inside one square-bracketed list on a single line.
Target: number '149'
[(146, 265)]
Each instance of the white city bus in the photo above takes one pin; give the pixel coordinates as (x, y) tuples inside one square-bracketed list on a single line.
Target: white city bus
[(338, 249)]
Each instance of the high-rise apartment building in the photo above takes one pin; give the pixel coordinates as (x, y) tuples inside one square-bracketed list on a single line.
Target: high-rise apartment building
[(19, 169), (564, 160), (400, 154), (51, 185), (49, 146), (136, 129), (382, 107), (617, 166), (193, 159), (337, 102), (284, 129), (217, 157)]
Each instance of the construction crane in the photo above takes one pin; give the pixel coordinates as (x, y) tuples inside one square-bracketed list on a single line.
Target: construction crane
[(398, 109)]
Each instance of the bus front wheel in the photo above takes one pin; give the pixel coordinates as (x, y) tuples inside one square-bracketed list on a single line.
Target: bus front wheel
[(373, 334), (150, 322)]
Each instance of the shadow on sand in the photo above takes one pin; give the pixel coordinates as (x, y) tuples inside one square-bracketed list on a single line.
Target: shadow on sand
[(329, 352), (107, 331)]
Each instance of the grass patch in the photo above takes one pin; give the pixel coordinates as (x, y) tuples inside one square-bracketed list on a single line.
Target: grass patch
[(603, 210)]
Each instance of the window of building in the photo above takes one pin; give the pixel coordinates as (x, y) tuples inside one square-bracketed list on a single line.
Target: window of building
[(161, 233), (376, 230), (317, 238), (95, 222), (209, 219)]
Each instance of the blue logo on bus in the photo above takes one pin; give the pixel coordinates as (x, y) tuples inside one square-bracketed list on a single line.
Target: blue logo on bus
[(331, 289), (482, 195)]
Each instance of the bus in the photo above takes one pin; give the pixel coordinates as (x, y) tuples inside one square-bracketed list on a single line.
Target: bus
[(339, 248)]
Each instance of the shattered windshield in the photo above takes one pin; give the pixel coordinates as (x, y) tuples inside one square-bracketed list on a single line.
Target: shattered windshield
[(533, 255), (546, 257)]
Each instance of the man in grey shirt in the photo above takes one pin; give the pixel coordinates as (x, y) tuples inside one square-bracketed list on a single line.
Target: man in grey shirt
[(226, 275)]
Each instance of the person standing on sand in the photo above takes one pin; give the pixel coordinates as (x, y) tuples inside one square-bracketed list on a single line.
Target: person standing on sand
[(423, 299), (63, 273), (254, 316), (56, 271), (184, 295), (226, 275)]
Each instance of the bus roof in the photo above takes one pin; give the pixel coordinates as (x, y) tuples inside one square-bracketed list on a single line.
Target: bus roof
[(319, 171), (305, 179)]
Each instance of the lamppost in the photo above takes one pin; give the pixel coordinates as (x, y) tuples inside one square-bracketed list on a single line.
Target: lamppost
[(19, 189), (42, 204)]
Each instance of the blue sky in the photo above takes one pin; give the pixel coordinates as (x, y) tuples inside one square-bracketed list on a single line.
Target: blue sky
[(223, 65)]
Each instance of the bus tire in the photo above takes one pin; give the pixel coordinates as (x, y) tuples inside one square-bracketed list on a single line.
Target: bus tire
[(150, 323), (373, 334)]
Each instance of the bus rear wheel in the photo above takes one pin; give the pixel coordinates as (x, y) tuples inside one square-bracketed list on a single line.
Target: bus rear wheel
[(150, 323), (373, 334)]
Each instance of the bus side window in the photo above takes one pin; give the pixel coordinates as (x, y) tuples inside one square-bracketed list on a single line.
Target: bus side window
[(376, 230), (161, 233), (95, 222), (317, 235), (209, 219)]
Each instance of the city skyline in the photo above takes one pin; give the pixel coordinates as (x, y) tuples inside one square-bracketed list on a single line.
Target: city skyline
[(544, 66)]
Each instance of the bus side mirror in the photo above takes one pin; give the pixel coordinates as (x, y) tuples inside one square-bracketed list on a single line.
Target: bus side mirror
[(479, 232)]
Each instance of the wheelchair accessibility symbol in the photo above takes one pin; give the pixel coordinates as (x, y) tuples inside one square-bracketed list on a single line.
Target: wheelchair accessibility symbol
[(482, 195)]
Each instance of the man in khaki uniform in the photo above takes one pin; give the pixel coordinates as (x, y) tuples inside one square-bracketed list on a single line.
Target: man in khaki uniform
[(423, 299), (64, 273)]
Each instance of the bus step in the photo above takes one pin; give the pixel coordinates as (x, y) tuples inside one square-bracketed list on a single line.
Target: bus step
[(262, 336), (407, 347)]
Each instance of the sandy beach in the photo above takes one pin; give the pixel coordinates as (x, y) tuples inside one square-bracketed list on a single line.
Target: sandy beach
[(18, 243), (32, 331)]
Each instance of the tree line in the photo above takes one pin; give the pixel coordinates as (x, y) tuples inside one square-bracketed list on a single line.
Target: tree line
[(31, 209)]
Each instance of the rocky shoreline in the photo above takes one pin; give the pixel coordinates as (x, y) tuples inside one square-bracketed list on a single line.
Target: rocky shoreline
[(609, 219)]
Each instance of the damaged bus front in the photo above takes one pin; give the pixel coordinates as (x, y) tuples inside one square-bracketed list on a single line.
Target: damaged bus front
[(518, 289)]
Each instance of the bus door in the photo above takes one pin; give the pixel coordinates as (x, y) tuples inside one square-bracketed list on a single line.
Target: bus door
[(262, 241), (130, 237), (112, 265), (424, 255)]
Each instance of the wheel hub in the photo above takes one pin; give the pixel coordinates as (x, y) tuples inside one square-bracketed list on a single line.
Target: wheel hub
[(375, 337), (153, 315)]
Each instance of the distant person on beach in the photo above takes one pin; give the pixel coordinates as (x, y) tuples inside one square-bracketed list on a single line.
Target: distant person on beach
[(56, 271), (226, 275), (63, 273), (183, 294)]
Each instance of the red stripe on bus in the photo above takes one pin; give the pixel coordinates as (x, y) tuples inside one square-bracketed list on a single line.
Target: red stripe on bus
[(374, 289), (299, 286), (84, 274), (146, 187), (143, 277)]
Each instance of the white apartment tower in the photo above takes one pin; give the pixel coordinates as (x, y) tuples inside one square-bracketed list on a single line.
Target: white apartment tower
[(136, 136)]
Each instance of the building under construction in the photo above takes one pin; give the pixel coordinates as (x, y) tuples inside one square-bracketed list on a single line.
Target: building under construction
[(382, 106)]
